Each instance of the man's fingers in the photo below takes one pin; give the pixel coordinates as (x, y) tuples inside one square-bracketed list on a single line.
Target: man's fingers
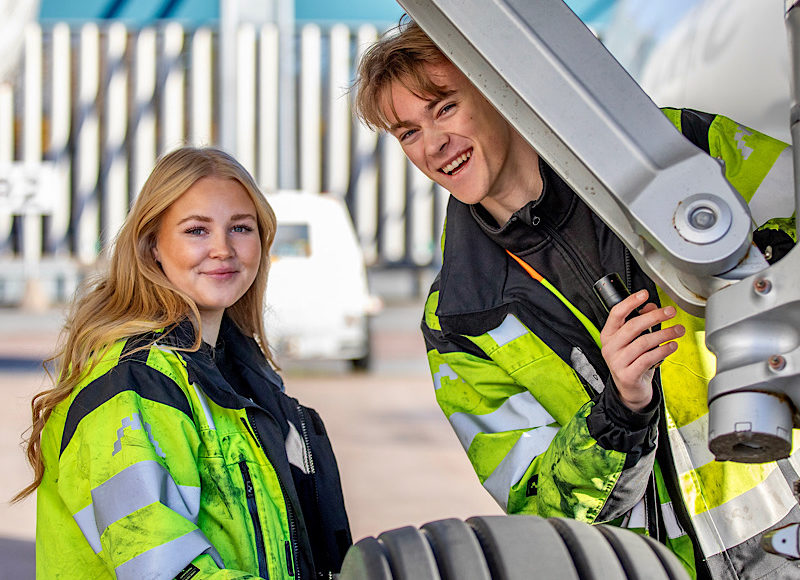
[(628, 356), (621, 311)]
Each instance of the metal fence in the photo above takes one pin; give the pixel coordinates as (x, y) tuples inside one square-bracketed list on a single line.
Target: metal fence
[(94, 106)]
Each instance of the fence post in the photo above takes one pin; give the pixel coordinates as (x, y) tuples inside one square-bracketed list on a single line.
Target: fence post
[(393, 188), (339, 116), (60, 123), (422, 244), (201, 99), (246, 96), (268, 107), (172, 103), (310, 103), (115, 186), (34, 297), (365, 172), (6, 155), (144, 118), (86, 214)]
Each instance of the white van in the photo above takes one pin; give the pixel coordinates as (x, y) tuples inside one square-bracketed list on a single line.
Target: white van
[(317, 304)]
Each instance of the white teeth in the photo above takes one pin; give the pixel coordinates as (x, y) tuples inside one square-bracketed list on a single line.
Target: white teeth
[(456, 163)]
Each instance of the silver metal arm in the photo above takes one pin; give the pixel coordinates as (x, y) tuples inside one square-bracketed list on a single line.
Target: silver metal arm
[(570, 99), (667, 201)]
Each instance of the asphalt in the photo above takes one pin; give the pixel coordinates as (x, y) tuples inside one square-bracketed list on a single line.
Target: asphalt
[(399, 460)]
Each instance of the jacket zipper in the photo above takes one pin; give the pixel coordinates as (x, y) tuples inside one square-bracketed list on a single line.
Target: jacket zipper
[(292, 569), (309, 457), (253, 509), (583, 274)]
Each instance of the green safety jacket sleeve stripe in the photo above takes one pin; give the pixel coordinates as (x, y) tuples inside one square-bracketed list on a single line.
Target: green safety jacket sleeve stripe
[(516, 446), (129, 475), (131, 374), (757, 165)]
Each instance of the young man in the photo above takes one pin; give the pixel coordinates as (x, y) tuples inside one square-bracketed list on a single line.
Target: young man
[(558, 417)]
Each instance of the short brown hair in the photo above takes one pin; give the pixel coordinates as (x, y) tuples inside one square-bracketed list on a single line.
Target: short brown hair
[(400, 55)]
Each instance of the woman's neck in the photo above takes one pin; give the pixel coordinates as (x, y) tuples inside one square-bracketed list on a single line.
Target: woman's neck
[(210, 321)]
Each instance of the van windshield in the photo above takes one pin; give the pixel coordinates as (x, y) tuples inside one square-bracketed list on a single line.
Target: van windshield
[(291, 241)]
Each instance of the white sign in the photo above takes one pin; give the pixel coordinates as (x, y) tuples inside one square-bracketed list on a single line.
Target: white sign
[(27, 188)]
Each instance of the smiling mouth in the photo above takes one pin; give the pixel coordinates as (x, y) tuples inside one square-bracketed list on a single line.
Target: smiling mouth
[(456, 164)]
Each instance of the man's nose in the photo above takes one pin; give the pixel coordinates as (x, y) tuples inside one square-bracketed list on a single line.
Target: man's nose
[(436, 142)]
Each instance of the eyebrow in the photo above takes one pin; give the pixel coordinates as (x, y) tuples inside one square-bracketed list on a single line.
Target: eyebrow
[(428, 108), (205, 219)]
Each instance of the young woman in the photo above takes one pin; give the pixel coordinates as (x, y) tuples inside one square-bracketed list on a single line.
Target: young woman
[(168, 447)]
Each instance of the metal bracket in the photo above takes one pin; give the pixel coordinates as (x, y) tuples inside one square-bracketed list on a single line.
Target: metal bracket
[(574, 103)]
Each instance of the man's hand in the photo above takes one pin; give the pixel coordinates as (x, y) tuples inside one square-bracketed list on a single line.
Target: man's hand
[(631, 352)]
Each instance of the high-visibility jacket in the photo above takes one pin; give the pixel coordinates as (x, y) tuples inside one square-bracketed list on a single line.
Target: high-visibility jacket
[(517, 369), (165, 463)]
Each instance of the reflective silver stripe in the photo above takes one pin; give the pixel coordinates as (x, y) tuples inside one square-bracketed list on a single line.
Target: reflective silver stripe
[(444, 371), (520, 411), (138, 486), (693, 440), (775, 194), (740, 144), (510, 329), (516, 462), (88, 525), (794, 460), (167, 560), (744, 516), (204, 404), (134, 423), (582, 366), (671, 523), (296, 449), (636, 517)]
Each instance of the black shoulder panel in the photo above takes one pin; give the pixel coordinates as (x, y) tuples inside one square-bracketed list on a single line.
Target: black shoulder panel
[(131, 374), (695, 125)]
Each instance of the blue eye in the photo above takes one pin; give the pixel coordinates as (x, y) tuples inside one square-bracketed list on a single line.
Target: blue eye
[(198, 231), (242, 229), (407, 134)]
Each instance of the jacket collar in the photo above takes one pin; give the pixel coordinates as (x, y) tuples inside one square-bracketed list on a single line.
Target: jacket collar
[(555, 205), (475, 265)]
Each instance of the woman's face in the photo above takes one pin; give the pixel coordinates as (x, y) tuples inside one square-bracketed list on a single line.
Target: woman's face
[(208, 244)]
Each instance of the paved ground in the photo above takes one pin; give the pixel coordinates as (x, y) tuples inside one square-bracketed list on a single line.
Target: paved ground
[(400, 462)]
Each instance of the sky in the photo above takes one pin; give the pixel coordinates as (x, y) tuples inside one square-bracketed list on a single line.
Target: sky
[(596, 12)]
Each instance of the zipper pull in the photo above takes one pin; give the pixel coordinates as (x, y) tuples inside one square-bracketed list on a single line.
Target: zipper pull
[(289, 566)]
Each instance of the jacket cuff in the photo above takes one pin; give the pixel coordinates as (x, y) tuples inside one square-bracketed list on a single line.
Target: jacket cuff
[(615, 427)]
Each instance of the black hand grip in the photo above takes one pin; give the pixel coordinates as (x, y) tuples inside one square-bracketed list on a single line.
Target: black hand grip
[(611, 290)]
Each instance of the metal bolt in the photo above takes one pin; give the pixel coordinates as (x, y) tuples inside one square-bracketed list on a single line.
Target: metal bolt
[(777, 362), (703, 218), (762, 286)]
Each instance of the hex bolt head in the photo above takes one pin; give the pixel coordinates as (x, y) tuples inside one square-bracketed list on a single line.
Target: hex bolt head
[(703, 218), (777, 362), (762, 286)]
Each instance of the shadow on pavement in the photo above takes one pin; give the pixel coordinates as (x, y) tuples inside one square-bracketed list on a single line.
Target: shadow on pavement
[(20, 364), (18, 559)]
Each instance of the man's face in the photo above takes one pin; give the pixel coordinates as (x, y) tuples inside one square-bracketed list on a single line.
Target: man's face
[(461, 142)]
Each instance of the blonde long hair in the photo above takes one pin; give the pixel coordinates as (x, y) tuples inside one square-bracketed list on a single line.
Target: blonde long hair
[(134, 296)]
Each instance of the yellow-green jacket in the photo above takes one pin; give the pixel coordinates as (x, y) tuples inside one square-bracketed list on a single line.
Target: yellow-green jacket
[(517, 369), (166, 464)]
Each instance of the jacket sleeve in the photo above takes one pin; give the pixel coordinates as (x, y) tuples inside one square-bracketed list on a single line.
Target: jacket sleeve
[(524, 424), (128, 474), (757, 165)]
